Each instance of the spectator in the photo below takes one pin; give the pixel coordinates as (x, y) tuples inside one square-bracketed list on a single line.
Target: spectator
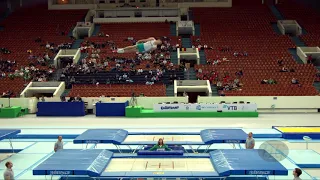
[(63, 99), (8, 173), (42, 99), (250, 142), (245, 53), (217, 61), (59, 144), (280, 62), (38, 40), (71, 99), (265, 81), (222, 93), (46, 57), (236, 81), (5, 51), (296, 174), (284, 69), (78, 98), (185, 94), (224, 59), (149, 83), (48, 45), (272, 81), (294, 81), (219, 85), (235, 54), (239, 73)]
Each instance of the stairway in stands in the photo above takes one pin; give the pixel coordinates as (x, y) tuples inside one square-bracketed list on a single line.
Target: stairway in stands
[(174, 57), (275, 28), (203, 58), (294, 54), (96, 30), (170, 90), (190, 15), (317, 84), (276, 12), (190, 74), (4, 15), (173, 29), (186, 42), (296, 39), (56, 75), (197, 29), (214, 90), (77, 43)]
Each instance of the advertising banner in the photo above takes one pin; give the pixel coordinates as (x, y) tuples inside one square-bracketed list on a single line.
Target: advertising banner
[(204, 107)]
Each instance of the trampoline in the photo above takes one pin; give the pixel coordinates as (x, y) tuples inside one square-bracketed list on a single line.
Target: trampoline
[(106, 164), (8, 134), (119, 137)]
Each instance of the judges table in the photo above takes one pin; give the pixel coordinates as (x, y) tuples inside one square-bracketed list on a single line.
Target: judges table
[(111, 108), (205, 107), (61, 109)]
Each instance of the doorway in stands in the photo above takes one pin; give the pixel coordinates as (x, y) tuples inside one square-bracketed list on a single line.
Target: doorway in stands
[(193, 96), (185, 62), (269, 2)]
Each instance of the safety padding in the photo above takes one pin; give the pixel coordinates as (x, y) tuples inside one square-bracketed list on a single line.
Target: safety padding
[(91, 162), (102, 136), (211, 136), (245, 162)]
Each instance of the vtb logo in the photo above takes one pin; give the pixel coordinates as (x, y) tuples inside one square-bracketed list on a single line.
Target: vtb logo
[(232, 108)]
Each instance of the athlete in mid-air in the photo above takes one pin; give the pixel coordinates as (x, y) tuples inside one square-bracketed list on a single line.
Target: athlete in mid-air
[(142, 46)]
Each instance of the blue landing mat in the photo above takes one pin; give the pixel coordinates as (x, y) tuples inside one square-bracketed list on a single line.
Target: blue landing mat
[(264, 133), (96, 136), (211, 136), (246, 162), (305, 158), (91, 162), (8, 133)]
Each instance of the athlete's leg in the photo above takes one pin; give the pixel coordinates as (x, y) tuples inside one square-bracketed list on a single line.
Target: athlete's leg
[(129, 49)]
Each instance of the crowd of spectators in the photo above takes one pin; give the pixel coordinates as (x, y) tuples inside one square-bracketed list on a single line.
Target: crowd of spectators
[(224, 81), (155, 63), (5, 51), (9, 69), (7, 94)]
